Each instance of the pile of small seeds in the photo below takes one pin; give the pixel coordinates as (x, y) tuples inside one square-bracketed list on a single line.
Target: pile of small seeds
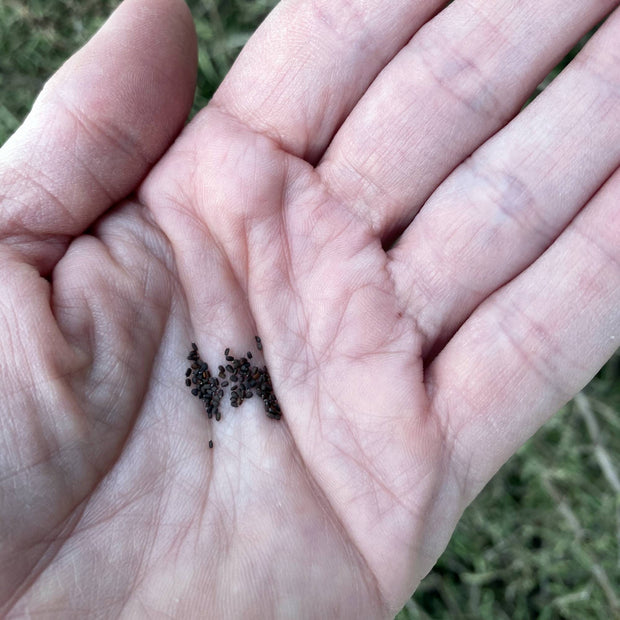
[(240, 374), (205, 386)]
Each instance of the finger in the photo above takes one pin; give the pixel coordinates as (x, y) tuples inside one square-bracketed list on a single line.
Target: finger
[(454, 85), (98, 126), (532, 345), (500, 210), (76, 368), (310, 61)]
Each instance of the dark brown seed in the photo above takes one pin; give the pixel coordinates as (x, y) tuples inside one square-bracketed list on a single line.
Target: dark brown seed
[(227, 351), (229, 358), (188, 382), (188, 372), (218, 415), (224, 383), (210, 443), (249, 354)]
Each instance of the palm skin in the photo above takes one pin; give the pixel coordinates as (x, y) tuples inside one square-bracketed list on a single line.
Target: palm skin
[(109, 495)]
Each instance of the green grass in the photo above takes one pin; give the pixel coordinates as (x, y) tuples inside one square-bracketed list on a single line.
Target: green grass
[(542, 540)]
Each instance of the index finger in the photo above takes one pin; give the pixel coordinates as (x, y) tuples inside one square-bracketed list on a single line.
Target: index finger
[(99, 125)]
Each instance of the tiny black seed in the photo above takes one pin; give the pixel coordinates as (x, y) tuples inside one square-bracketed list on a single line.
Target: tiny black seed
[(229, 368), (249, 354), (234, 378), (224, 383), (229, 358), (210, 443), (188, 382), (188, 372), (218, 415), (227, 351), (257, 339), (195, 392), (194, 346), (259, 346)]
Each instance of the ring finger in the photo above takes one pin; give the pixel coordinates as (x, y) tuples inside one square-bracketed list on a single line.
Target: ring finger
[(505, 205), (456, 83)]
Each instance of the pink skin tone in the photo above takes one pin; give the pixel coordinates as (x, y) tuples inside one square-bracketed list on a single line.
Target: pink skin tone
[(433, 274)]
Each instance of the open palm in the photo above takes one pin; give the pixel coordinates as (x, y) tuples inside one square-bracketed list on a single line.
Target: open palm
[(410, 357)]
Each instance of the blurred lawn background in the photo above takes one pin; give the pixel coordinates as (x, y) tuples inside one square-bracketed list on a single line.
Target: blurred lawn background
[(543, 538)]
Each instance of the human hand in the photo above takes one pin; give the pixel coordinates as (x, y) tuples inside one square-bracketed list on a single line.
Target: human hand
[(411, 357)]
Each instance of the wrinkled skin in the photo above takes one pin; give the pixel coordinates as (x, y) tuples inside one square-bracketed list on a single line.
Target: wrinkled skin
[(432, 274)]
